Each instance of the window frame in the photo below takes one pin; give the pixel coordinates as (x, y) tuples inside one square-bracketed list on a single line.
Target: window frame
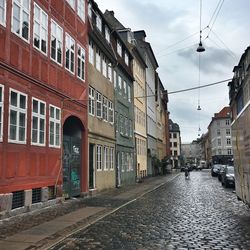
[(91, 101), (98, 60), (72, 4), (22, 10), (105, 158), (99, 22), (55, 121), (111, 157), (40, 117), (98, 102), (4, 13), (126, 58), (91, 53), (81, 58), (2, 112), (41, 27), (107, 34), (119, 48), (81, 3), (69, 39), (98, 157), (110, 112), (105, 109), (58, 42), (18, 110)]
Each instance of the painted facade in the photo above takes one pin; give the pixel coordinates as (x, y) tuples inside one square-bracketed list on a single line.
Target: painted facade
[(102, 141), (43, 92), (239, 96), (148, 54)]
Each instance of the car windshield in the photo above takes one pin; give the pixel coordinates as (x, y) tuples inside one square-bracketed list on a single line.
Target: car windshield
[(217, 166), (230, 170)]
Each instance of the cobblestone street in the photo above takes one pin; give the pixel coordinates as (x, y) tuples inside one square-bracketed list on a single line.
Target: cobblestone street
[(183, 214)]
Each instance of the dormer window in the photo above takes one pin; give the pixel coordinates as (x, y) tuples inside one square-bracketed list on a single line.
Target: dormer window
[(126, 58), (107, 34), (98, 22), (119, 48)]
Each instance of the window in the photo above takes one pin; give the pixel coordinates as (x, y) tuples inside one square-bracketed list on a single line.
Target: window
[(98, 22), (119, 83), (174, 135), (119, 48), (218, 132), (21, 18), (125, 88), (228, 141), (109, 71), (218, 123), (219, 142), (229, 151), (107, 34), (104, 67), (175, 152), (91, 53), (219, 151), (228, 132), (121, 122), (3, 12), (54, 126), (126, 58), (90, 10), (111, 158), (81, 63), (115, 79), (175, 144), (111, 112), (81, 9), (98, 105), (1, 111), (40, 29), (105, 109), (123, 162), (227, 122), (38, 122), (105, 158), (99, 157), (130, 129), (126, 126), (56, 42), (17, 117), (91, 101), (98, 60), (72, 3), (129, 93), (70, 53)]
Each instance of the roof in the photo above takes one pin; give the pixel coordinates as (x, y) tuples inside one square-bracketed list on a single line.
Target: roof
[(223, 114)]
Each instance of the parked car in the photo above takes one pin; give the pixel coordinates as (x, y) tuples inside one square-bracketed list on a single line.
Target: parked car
[(215, 169), (221, 171), (227, 177)]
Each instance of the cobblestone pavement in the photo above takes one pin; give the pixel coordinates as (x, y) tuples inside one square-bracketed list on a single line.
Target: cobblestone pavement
[(183, 214)]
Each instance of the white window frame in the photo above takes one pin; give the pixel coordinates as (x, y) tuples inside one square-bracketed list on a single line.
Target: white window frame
[(110, 112), (69, 42), (98, 60), (99, 157), (115, 79), (39, 117), (119, 48), (98, 104), (58, 37), (1, 113), (111, 157), (81, 9), (91, 53), (98, 22), (105, 109), (125, 88), (72, 4), (22, 11), (119, 83), (129, 93), (126, 58), (228, 141), (109, 72), (107, 34), (229, 151), (56, 121), (91, 101), (105, 158), (19, 111), (42, 29), (4, 7), (80, 62), (104, 67)]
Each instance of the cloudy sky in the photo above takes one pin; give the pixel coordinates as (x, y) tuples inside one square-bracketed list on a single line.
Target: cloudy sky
[(172, 28)]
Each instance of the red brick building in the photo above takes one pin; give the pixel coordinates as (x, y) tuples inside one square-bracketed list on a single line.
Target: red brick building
[(43, 101)]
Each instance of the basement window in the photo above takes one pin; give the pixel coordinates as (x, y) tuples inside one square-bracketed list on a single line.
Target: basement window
[(36, 195), (18, 199)]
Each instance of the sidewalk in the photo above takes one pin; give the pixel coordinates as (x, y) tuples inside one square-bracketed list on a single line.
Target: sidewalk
[(42, 229)]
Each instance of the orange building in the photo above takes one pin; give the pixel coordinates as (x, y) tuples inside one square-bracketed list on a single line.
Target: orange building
[(43, 101)]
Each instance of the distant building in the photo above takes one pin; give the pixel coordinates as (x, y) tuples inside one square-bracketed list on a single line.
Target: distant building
[(239, 95), (220, 137), (175, 144), (191, 152)]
